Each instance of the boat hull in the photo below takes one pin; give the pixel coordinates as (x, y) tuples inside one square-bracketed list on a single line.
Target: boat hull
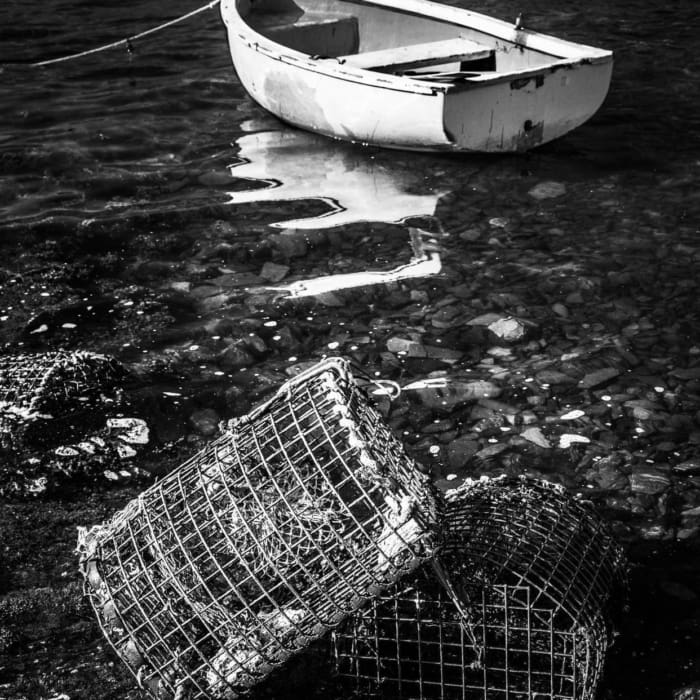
[(520, 114), (341, 108), (506, 113)]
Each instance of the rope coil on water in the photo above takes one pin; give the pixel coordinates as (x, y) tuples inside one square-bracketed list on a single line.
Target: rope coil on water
[(128, 41)]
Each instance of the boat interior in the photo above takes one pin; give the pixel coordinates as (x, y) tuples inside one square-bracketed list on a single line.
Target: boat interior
[(369, 36)]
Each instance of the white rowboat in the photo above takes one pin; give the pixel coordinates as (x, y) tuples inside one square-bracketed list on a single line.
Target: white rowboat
[(412, 74)]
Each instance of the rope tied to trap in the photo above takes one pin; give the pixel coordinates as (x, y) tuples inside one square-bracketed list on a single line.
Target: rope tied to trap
[(128, 42)]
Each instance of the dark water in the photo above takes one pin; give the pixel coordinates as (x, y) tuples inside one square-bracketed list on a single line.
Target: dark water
[(116, 185)]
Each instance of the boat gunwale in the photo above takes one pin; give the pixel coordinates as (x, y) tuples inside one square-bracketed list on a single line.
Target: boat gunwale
[(486, 24), (333, 68)]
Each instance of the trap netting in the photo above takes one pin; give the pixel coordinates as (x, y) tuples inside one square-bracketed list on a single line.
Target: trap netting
[(532, 577), (301, 512), (46, 397)]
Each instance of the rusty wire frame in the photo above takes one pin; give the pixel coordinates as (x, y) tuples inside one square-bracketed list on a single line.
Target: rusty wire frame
[(300, 513), (42, 395), (533, 580)]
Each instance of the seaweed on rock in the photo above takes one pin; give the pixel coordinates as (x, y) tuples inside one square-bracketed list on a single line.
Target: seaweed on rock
[(49, 398)]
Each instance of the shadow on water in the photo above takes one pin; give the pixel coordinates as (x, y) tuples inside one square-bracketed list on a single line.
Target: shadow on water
[(658, 650)]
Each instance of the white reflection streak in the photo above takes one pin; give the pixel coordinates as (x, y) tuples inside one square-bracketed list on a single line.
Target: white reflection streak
[(295, 166), (432, 383), (424, 263), (349, 280)]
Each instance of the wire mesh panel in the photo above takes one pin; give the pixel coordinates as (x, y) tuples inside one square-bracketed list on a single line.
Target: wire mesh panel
[(268, 538), (527, 531), (532, 578), (43, 395), (414, 645)]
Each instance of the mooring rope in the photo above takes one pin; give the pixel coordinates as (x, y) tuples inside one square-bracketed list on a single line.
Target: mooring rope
[(128, 41)]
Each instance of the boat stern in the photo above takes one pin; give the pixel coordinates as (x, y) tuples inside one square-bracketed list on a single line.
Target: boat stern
[(519, 112)]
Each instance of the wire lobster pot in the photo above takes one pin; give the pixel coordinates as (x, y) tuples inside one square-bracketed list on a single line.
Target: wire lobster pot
[(268, 538), (521, 607), (47, 397)]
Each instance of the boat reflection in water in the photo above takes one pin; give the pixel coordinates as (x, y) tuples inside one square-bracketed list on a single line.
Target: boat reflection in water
[(293, 165), (424, 263)]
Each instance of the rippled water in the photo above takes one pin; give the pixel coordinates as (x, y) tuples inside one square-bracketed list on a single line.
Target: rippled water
[(126, 134), (127, 174)]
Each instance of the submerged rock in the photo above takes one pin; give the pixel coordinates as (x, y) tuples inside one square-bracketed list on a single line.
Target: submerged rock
[(649, 481), (554, 377), (599, 377), (272, 272), (460, 451), (536, 436), (131, 430), (236, 356), (568, 439), (454, 393), (446, 317), (409, 348), (509, 329), (205, 421), (547, 190)]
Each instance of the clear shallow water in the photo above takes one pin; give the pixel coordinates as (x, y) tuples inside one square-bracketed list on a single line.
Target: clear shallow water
[(120, 131), (151, 183)]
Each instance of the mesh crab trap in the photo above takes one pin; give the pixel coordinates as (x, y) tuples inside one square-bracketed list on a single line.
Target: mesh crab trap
[(297, 515), (521, 609), (42, 396)]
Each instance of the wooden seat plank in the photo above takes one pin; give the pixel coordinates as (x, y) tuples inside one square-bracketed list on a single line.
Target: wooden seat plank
[(324, 37), (420, 55)]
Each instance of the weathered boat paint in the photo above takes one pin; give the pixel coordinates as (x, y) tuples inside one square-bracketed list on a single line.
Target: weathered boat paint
[(544, 86), (528, 111)]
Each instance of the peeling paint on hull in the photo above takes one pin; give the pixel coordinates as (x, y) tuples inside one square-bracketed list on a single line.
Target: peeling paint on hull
[(502, 117)]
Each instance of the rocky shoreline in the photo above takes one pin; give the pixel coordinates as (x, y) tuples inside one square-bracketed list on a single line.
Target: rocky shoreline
[(524, 356)]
